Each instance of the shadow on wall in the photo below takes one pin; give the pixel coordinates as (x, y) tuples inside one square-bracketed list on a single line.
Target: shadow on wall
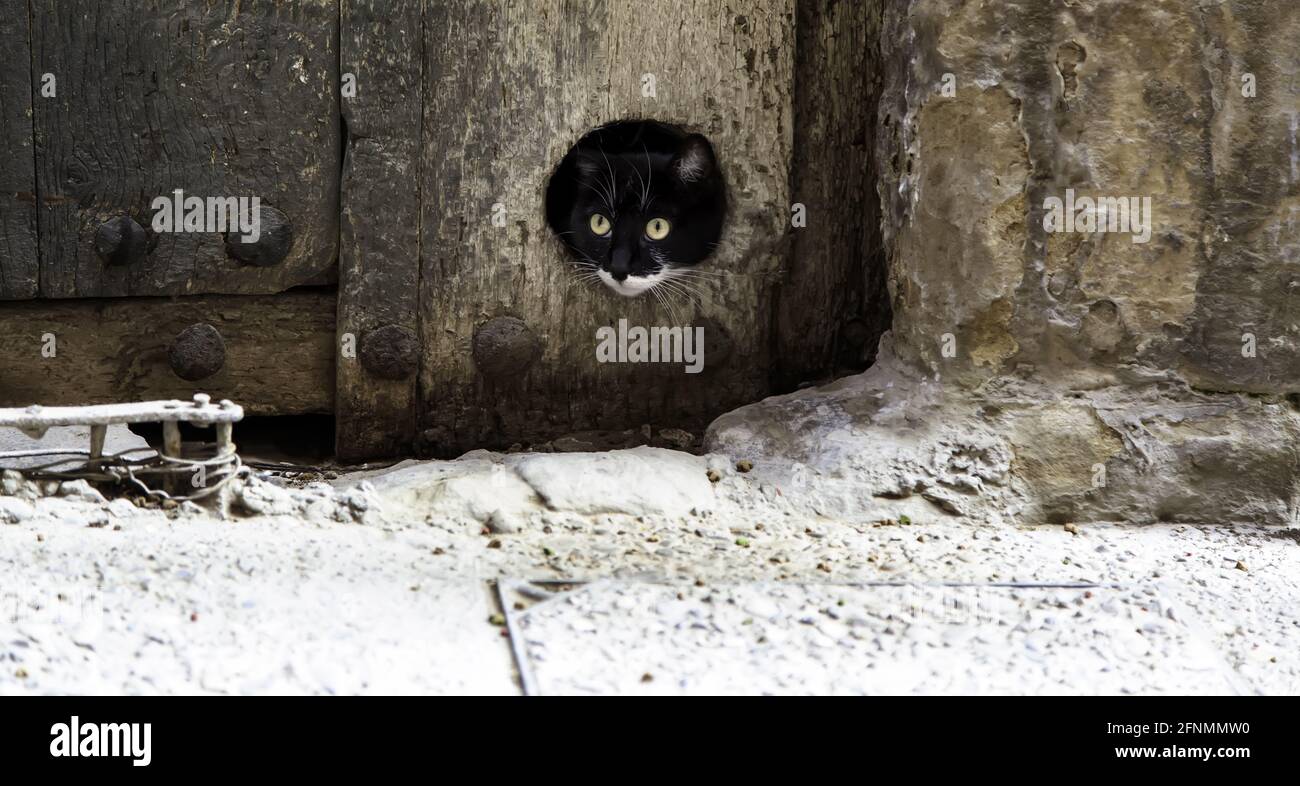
[(833, 305)]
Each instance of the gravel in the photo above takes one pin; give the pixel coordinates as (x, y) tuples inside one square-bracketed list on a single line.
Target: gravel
[(842, 639)]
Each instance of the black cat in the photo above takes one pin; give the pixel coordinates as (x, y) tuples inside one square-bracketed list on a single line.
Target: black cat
[(638, 203)]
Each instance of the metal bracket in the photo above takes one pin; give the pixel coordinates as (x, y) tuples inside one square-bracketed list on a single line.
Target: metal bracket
[(36, 420)]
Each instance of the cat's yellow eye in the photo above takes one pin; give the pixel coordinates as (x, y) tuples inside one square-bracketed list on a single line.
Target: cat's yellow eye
[(599, 224), (657, 228)]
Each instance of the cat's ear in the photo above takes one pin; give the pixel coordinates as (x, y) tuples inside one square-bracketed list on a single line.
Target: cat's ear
[(694, 160)]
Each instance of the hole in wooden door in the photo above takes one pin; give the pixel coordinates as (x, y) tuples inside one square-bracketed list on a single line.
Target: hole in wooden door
[(637, 203)]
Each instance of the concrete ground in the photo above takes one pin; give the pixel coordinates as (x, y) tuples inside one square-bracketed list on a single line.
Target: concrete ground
[(642, 571)]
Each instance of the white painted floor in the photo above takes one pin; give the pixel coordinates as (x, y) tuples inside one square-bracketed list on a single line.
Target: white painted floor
[(722, 588)]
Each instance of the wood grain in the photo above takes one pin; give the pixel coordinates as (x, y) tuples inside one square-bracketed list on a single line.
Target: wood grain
[(19, 274), (279, 351), (510, 86), (219, 98), (379, 245)]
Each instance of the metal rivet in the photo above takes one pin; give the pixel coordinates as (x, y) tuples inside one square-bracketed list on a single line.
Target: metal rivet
[(275, 238), (389, 352), (505, 347), (197, 352), (201, 400), (121, 241)]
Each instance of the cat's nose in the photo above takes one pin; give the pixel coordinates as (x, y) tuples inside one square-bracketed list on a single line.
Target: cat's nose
[(620, 263)]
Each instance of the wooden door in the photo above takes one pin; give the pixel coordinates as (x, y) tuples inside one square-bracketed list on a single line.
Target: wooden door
[(107, 105), (406, 146), (237, 98), (510, 86)]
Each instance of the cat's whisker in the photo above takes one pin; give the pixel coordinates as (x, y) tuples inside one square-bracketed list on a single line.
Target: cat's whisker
[(644, 191), (607, 196), (693, 290), (659, 298), (592, 265), (696, 283), (700, 284), (701, 290), (679, 319), (686, 271), (613, 185), (599, 190), (590, 279), (604, 198), (678, 289), (692, 286), (585, 269), (673, 316), (650, 172)]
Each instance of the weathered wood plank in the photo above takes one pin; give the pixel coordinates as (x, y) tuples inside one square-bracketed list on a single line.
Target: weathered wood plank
[(379, 240), (832, 305), (225, 98), (510, 86), (279, 351), (19, 272)]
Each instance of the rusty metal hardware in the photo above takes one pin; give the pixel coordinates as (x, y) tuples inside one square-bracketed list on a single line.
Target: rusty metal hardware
[(272, 245), (197, 352), (121, 241), (505, 348), (389, 352), (218, 469)]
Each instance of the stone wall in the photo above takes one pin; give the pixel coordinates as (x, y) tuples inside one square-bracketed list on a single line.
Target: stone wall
[(1058, 376)]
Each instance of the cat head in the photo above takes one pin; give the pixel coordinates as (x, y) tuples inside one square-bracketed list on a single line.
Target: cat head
[(635, 201)]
